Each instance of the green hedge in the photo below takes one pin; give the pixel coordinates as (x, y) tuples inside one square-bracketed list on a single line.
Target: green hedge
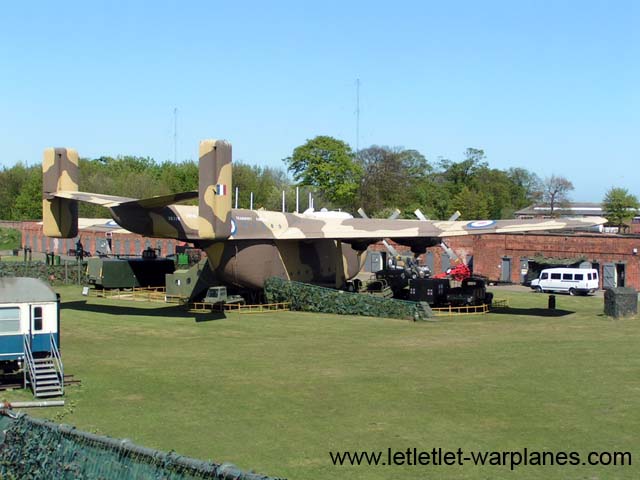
[(53, 274)]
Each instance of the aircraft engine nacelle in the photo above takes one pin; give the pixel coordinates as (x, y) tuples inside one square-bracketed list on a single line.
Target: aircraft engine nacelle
[(59, 173), (214, 189)]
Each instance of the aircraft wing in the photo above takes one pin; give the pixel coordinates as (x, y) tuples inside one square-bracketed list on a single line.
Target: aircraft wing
[(115, 201), (95, 198), (256, 225)]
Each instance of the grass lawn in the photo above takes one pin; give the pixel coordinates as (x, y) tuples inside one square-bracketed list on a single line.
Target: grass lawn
[(276, 393)]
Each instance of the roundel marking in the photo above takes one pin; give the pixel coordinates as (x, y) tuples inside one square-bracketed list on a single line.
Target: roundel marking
[(481, 224), (234, 227)]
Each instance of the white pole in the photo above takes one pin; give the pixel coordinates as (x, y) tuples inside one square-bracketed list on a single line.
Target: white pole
[(297, 199), (283, 207), (236, 197), (46, 403), (310, 200), (251, 201)]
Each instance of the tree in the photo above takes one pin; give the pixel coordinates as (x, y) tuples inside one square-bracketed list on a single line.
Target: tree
[(471, 204), (28, 203), (391, 178), (555, 192), (461, 174), (526, 187), (327, 164), (495, 187), (433, 198), (12, 181), (619, 206)]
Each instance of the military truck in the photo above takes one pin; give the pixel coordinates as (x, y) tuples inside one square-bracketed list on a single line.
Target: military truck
[(129, 272), (431, 290), (218, 295), (438, 292), (473, 291)]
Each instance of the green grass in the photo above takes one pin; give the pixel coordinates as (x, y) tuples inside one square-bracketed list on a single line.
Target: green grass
[(276, 393), (10, 238)]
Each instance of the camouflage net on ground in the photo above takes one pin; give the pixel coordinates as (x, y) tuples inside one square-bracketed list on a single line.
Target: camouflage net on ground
[(32, 448), (311, 298), (54, 274)]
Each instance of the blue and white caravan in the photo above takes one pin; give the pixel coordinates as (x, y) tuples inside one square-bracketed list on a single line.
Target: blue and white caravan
[(30, 333)]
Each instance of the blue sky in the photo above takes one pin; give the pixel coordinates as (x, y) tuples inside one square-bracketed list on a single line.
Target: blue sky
[(551, 86)]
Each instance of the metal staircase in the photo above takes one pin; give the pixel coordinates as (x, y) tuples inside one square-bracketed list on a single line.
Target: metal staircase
[(45, 376)]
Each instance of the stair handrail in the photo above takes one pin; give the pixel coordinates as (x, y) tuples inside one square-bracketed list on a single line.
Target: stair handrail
[(57, 360), (30, 365)]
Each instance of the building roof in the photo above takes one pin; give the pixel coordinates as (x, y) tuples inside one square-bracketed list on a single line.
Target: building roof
[(573, 209), (25, 290)]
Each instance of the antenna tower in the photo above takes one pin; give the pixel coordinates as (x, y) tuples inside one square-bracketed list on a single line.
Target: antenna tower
[(357, 116), (175, 135)]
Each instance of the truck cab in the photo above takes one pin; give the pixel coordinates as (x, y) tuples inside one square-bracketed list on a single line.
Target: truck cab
[(217, 295)]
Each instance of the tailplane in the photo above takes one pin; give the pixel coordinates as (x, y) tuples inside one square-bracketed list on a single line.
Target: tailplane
[(59, 173), (214, 207)]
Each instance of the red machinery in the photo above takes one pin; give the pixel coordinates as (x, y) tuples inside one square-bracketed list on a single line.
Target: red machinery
[(459, 272)]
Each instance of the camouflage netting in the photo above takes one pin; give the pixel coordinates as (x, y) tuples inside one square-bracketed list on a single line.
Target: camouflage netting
[(54, 274), (32, 448), (311, 298), (620, 302), (552, 261)]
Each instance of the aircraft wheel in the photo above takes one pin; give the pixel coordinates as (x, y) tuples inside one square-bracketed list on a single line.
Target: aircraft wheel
[(572, 291)]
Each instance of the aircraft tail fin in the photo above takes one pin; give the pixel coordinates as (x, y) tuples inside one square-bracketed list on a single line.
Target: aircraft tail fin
[(215, 185), (59, 173)]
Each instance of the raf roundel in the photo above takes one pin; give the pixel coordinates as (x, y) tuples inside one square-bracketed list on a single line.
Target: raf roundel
[(481, 224), (234, 227)]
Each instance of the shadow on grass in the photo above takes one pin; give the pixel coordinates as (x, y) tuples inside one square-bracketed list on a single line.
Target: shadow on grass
[(166, 312), (534, 312)]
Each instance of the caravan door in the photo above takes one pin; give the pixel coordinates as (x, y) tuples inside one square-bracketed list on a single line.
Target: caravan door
[(39, 342)]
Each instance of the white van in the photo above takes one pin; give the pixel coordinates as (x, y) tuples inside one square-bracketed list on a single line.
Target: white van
[(573, 280)]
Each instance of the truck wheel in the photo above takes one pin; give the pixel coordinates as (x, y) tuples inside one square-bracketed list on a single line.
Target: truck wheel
[(572, 291), (539, 289)]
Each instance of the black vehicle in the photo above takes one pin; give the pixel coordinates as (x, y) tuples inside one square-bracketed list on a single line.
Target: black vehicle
[(431, 290), (473, 291)]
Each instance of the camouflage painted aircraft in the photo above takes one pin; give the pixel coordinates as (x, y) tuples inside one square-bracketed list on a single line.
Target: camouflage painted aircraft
[(245, 247)]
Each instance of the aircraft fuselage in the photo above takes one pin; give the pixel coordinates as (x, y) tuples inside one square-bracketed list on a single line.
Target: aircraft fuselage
[(248, 263)]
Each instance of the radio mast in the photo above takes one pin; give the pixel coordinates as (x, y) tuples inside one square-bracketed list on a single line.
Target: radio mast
[(175, 134), (357, 116)]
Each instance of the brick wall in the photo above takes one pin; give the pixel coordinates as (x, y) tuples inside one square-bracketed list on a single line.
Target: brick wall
[(121, 243), (489, 250)]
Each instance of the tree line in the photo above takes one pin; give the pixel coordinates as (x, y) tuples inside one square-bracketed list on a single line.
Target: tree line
[(381, 179), (378, 179)]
